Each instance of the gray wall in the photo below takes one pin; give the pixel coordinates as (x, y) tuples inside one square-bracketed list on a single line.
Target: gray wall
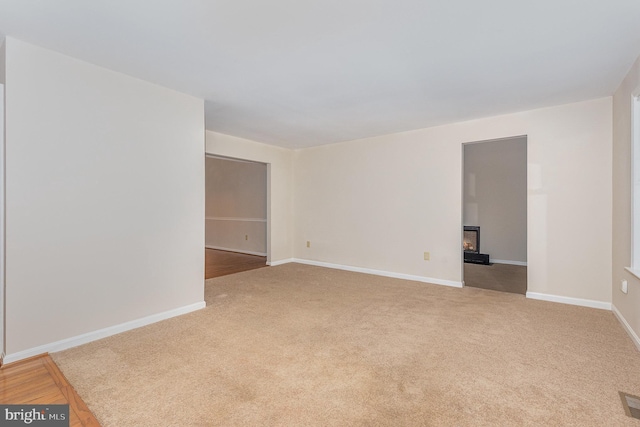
[(236, 205), (495, 196)]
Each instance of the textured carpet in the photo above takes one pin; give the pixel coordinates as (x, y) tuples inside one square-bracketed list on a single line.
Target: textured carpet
[(297, 345)]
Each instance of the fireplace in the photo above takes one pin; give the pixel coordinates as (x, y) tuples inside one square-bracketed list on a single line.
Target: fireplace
[(471, 246), (471, 239)]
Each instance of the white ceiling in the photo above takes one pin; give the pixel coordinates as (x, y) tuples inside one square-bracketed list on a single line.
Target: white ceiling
[(299, 73)]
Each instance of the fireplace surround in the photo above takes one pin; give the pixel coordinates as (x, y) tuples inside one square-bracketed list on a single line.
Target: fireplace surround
[(471, 246), (471, 241)]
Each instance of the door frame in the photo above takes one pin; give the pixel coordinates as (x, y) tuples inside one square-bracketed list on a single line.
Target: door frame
[(268, 194), (463, 183)]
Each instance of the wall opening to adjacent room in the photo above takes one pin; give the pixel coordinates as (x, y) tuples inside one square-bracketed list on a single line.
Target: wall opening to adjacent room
[(236, 215), (495, 205)]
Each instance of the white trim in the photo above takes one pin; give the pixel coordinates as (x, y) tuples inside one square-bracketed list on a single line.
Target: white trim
[(569, 300), (505, 261), (102, 333), (240, 251), (626, 326), (267, 243), (222, 218), (280, 262), (381, 273), (634, 272), (233, 159)]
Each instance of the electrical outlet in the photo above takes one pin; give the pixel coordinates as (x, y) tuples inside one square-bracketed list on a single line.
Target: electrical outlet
[(427, 256), (308, 244), (246, 237), (624, 286)]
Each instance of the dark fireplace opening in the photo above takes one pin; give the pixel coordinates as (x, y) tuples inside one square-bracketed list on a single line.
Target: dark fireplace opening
[(471, 239)]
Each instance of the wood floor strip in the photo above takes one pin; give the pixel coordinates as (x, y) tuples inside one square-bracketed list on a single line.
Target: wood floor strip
[(220, 263), (38, 381), (76, 404)]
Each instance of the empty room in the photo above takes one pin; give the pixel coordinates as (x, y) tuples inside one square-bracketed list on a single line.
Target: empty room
[(443, 199)]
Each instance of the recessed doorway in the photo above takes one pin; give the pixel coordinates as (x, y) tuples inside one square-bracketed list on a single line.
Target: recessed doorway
[(236, 223), (494, 216)]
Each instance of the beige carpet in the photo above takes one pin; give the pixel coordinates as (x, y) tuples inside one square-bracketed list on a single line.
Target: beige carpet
[(296, 345)]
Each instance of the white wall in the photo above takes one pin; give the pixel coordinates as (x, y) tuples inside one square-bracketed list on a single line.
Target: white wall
[(2, 203), (628, 305), (236, 205), (2, 61), (104, 198), (279, 186), (495, 197), (380, 202)]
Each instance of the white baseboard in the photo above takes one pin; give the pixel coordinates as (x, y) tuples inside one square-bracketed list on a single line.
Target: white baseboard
[(506, 261), (569, 300), (280, 262), (240, 251), (102, 333), (380, 273), (626, 326)]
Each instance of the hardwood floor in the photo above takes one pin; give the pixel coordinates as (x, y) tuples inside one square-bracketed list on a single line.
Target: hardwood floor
[(38, 381), (496, 277), (220, 263)]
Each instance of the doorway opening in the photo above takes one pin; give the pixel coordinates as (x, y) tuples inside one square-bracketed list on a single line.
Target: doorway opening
[(236, 215), (495, 207)]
